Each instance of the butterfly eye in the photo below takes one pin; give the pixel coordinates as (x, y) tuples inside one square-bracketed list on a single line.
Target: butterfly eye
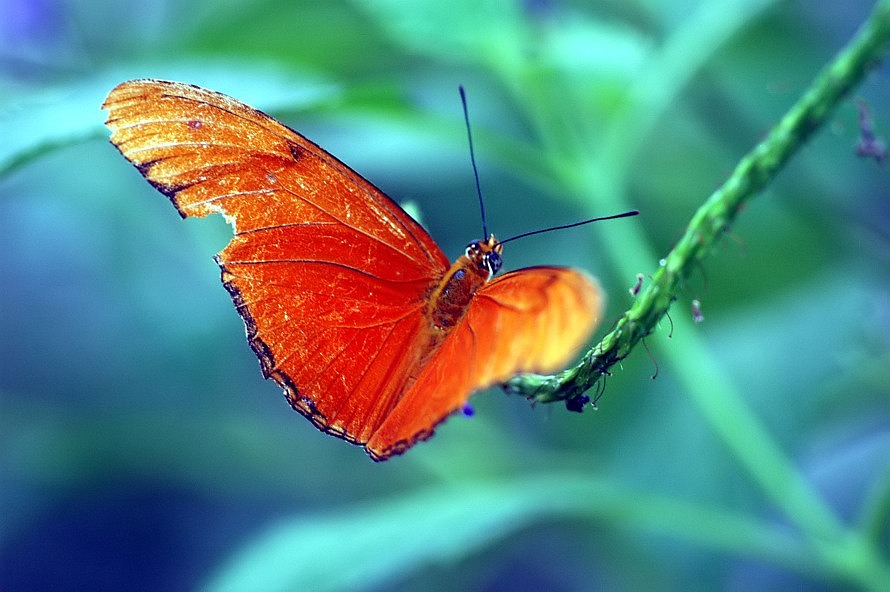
[(493, 262)]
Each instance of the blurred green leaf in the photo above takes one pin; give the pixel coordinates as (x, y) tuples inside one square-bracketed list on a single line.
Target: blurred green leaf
[(464, 31), (36, 122), (377, 544)]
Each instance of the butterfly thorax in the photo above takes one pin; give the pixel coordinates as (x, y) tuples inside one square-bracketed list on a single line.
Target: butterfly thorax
[(451, 298)]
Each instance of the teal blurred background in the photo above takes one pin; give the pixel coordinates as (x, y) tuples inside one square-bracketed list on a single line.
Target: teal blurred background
[(141, 449)]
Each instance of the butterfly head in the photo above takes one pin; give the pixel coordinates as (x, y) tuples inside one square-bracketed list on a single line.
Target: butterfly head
[(486, 255)]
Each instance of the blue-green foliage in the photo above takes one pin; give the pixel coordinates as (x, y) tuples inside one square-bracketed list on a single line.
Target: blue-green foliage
[(141, 449)]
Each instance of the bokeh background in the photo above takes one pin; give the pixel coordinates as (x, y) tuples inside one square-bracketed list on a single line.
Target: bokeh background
[(140, 448)]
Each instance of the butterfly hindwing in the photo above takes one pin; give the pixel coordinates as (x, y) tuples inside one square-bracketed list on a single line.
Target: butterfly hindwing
[(529, 320)]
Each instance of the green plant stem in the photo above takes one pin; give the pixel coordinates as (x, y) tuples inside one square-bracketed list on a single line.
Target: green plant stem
[(847, 554), (719, 211)]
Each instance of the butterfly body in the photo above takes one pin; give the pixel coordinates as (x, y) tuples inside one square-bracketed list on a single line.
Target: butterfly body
[(347, 301), (451, 298)]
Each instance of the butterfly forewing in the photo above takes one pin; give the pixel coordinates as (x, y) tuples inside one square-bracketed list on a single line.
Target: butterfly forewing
[(324, 268), (207, 151)]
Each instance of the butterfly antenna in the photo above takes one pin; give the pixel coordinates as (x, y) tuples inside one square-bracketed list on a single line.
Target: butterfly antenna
[(564, 226), (463, 102)]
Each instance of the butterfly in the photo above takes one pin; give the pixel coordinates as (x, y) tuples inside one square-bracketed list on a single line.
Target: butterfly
[(349, 304)]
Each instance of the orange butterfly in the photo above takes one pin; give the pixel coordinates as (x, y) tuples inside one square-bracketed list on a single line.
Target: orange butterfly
[(349, 304)]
